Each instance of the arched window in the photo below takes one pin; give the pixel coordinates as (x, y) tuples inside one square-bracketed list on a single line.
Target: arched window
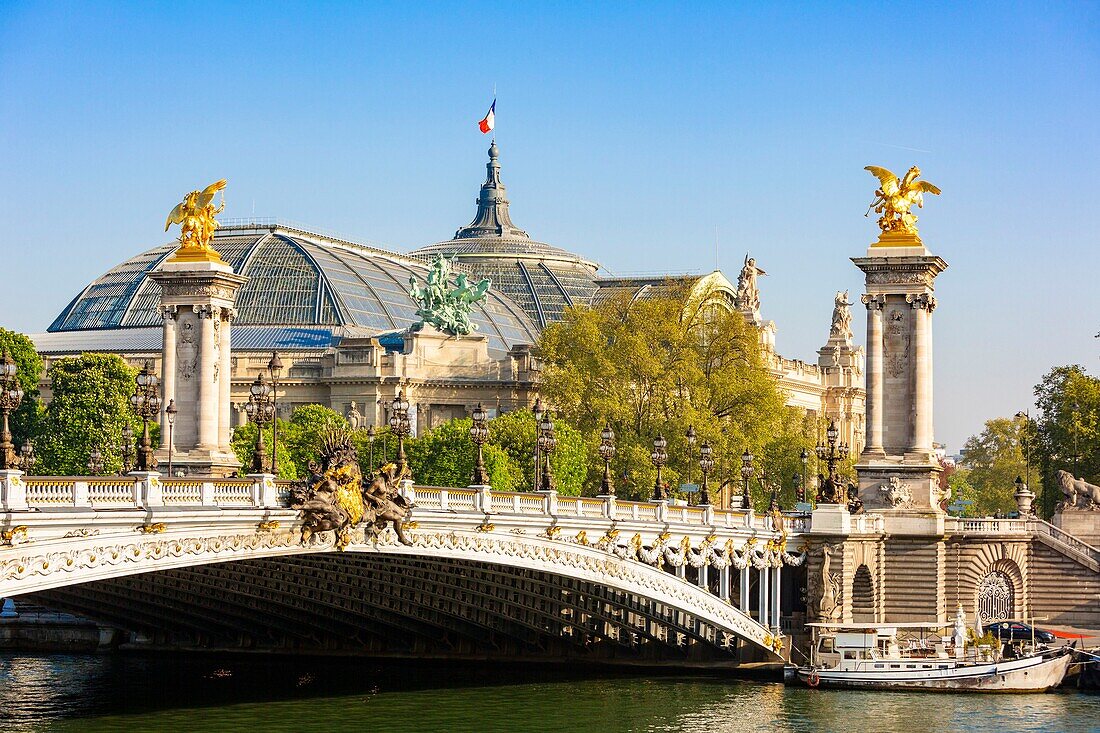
[(996, 596), (863, 596)]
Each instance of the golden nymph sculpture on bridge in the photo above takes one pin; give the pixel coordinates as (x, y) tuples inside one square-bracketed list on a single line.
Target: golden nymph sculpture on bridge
[(893, 200), (195, 215)]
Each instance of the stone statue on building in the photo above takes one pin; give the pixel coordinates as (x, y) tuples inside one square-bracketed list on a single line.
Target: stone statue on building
[(195, 215), (445, 309), (841, 327), (354, 417), (824, 592), (1079, 494), (334, 498), (895, 197), (748, 293)]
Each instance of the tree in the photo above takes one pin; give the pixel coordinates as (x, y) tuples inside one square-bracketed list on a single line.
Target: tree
[(90, 406), (657, 366), (515, 434), (445, 456), (962, 490), (993, 460), (244, 444), (24, 421), (1067, 430)]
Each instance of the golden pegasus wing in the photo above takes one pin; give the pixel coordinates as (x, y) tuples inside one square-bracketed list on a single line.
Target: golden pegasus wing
[(924, 187), (207, 194), (175, 217), (885, 177)]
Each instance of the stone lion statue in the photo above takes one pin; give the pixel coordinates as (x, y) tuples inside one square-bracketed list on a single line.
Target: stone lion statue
[(1080, 494)]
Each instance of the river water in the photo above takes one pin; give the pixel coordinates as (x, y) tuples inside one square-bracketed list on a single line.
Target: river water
[(135, 693)]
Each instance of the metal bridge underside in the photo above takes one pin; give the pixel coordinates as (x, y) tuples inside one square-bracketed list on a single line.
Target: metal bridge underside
[(404, 606)]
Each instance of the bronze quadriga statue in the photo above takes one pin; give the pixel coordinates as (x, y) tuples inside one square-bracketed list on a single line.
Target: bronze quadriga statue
[(334, 497)]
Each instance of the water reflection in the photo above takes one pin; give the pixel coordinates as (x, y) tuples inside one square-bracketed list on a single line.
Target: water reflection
[(230, 693)]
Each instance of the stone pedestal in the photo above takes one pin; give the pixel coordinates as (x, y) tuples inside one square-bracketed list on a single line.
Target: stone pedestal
[(898, 471), (831, 519), (1081, 523), (197, 307)]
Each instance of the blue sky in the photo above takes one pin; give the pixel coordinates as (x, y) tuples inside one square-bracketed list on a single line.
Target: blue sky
[(628, 133)]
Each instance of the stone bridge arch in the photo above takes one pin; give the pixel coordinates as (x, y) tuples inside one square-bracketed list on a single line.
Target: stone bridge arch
[(451, 594)]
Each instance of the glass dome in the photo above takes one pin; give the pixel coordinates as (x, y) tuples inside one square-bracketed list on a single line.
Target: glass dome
[(295, 279)]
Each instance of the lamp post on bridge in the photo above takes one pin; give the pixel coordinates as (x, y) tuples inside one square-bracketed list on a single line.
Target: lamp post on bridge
[(274, 369), (479, 433), (11, 396), (371, 435), (399, 424), (690, 436), (146, 404), (170, 413), (27, 458), (659, 457), (538, 411), (95, 462), (127, 448), (747, 471), (607, 452), (706, 465), (805, 457), (1026, 441), (832, 452), (547, 442), (260, 409)]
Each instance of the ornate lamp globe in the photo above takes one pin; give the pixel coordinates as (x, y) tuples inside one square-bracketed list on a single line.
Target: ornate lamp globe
[(832, 433), (546, 425), (480, 415), (746, 465), (7, 366), (538, 410), (706, 457)]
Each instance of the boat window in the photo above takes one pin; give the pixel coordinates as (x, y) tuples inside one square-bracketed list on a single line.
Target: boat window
[(926, 666), (827, 644), (943, 666), (879, 666), (910, 666), (895, 666)]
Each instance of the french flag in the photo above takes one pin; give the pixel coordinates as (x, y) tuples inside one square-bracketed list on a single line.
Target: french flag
[(490, 120)]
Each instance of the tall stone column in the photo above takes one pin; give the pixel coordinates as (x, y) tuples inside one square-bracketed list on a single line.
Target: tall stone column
[(167, 369), (897, 471), (197, 363), (873, 411)]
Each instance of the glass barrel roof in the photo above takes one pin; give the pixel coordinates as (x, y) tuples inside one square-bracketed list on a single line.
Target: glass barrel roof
[(296, 278)]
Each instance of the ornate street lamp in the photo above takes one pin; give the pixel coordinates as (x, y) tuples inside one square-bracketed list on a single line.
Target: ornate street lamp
[(659, 457), (607, 452), (479, 433), (706, 464), (690, 437), (27, 459), (399, 424), (146, 404), (805, 456), (746, 473), (95, 462), (1026, 415), (832, 491), (371, 435), (10, 398), (547, 442), (274, 369), (260, 409), (127, 448), (538, 411), (170, 413)]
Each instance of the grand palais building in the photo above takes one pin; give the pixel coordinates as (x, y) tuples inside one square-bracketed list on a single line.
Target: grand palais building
[(339, 312)]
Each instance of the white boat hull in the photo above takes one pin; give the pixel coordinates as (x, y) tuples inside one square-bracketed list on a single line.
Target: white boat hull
[(1030, 674)]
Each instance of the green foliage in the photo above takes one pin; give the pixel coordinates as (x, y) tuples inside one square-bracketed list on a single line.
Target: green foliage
[(89, 407), (659, 366), (1068, 430), (961, 489), (445, 456), (515, 434), (299, 440), (24, 421), (992, 461)]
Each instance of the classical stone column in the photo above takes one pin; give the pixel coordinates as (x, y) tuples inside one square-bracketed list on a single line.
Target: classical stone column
[(873, 410), (196, 363), (922, 305), (167, 368)]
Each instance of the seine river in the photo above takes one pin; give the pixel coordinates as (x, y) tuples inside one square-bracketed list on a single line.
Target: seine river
[(241, 693)]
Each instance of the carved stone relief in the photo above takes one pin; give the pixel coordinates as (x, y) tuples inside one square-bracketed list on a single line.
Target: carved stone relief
[(896, 344), (186, 350), (895, 493)]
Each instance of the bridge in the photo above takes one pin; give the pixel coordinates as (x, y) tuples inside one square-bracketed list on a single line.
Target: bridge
[(221, 563)]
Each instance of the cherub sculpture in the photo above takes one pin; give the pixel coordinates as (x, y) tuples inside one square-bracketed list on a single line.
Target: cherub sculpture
[(894, 198), (195, 215)]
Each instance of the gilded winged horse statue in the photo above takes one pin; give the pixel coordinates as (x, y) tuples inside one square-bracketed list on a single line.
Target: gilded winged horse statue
[(195, 215), (895, 197)]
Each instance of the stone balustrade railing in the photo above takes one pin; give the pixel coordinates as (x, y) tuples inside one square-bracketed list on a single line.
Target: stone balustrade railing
[(1064, 538), (143, 490), (985, 525)]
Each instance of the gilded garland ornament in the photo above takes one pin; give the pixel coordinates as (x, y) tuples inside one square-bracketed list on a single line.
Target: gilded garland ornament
[(195, 215)]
